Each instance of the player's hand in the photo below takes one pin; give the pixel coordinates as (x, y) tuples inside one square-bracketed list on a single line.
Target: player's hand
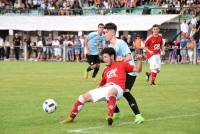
[(151, 52), (119, 58), (138, 57)]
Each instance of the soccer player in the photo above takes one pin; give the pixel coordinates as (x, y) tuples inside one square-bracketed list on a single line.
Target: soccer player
[(124, 54), (111, 86), (153, 48), (92, 44)]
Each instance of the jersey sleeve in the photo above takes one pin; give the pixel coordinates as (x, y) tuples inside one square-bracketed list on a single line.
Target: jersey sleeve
[(91, 35), (128, 68), (103, 79), (104, 41), (147, 41), (125, 49)]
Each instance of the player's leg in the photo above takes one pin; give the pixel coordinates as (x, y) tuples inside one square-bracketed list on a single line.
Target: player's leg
[(96, 69), (77, 107), (92, 65), (114, 93), (155, 68), (130, 80)]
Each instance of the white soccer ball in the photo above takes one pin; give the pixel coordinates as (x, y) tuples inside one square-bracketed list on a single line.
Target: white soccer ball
[(49, 106)]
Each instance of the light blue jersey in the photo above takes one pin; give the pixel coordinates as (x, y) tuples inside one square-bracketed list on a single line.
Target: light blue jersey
[(94, 42), (122, 49)]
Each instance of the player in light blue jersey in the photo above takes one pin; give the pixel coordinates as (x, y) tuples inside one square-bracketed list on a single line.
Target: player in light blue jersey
[(123, 53), (93, 42)]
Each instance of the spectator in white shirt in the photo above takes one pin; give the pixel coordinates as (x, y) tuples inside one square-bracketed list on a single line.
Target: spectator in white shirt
[(184, 28), (57, 49)]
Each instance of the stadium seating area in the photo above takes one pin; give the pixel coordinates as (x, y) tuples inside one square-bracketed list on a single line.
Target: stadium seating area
[(80, 7)]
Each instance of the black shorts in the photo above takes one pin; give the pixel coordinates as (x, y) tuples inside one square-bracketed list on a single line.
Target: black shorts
[(93, 59), (130, 80)]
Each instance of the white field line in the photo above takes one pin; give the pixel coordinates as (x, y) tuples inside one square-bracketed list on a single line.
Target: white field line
[(86, 130)]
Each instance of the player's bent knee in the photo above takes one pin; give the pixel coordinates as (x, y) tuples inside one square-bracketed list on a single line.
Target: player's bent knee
[(87, 97), (112, 92)]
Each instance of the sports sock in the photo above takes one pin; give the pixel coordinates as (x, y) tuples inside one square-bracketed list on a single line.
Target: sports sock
[(111, 105), (78, 105), (116, 109), (153, 77), (132, 102), (89, 69), (95, 72)]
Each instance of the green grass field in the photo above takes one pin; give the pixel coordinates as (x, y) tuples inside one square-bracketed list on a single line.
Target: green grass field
[(170, 107)]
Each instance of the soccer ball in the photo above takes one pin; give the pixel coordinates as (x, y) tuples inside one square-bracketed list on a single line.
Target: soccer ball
[(49, 106)]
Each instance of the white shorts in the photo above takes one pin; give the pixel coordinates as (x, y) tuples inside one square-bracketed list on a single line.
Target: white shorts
[(155, 62), (57, 51), (101, 93)]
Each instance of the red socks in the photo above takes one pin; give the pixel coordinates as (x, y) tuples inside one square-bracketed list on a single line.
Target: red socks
[(153, 77), (77, 108), (111, 105)]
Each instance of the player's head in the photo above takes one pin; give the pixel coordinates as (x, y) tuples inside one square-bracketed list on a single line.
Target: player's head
[(108, 55), (100, 28), (110, 31), (156, 29)]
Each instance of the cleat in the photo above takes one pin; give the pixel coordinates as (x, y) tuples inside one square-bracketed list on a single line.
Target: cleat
[(138, 119), (147, 76), (153, 84), (116, 116), (68, 120), (86, 75), (94, 79), (110, 121)]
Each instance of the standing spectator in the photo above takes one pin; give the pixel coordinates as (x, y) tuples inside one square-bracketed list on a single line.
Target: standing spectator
[(193, 31), (193, 20), (39, 46), (77, 48), (69, 45), (57, 49), (1, 49), (190, 46), (130, 42), (184, 28), (48, 50), (17, 44), (7, 48), (29, 47), (183, 44), (198, 50), (82, 39), (138, 45)]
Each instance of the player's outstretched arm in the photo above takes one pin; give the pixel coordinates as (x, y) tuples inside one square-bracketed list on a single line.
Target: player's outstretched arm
[(138, 66)]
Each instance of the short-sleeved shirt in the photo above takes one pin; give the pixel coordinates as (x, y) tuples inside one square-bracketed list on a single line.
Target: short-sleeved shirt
[(122, 50), (154, 44), (94, 41), (116, 73)]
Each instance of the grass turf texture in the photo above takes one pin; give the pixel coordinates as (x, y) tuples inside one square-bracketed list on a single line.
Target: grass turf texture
[(170, 107)]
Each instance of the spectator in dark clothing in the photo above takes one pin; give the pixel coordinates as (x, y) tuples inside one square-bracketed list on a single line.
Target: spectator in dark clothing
[(16, 43)]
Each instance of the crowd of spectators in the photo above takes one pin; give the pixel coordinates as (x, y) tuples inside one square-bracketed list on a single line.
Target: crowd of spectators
[(75, 7), (70, 47)]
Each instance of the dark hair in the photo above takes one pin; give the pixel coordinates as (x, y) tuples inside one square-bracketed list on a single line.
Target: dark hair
[(155, 25), (110, 26), (100, 24), (110, 51)]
